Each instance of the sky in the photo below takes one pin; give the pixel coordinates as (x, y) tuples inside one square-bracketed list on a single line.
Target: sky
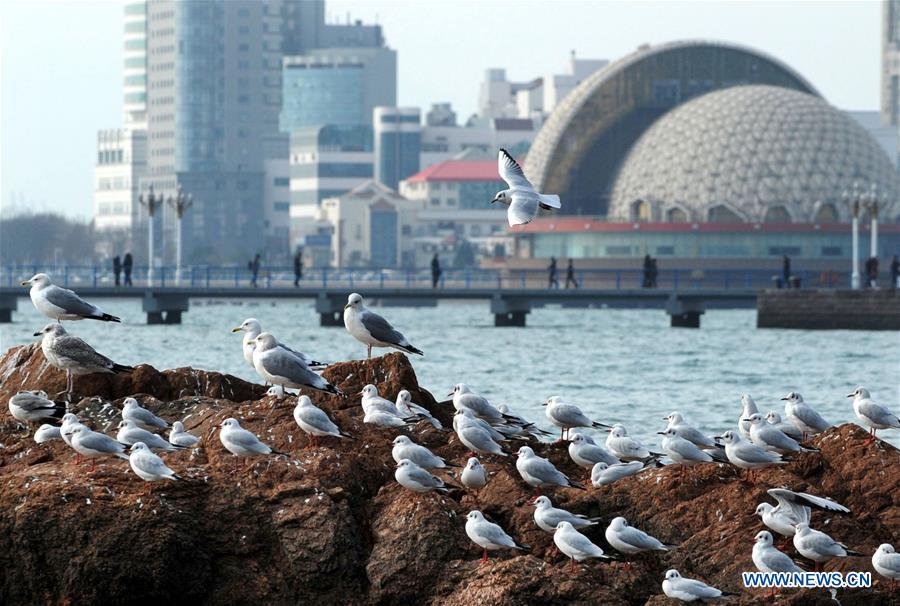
[(60, 63)]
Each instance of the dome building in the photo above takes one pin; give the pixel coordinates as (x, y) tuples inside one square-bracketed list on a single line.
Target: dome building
[(750, 154)]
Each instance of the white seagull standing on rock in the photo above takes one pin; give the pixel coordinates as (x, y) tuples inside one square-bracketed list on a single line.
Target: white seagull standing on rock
[(416, 478), (819, 547), (242, 443), (803, 415), (874, 416), (473, 476), (179, 437), (252, 328), (748, 407), (886, 562), (142, 417), (489, 536), (566, 416), (630, 540), (539, 473), (279, 365), (33, 406), (575, 545), (521, 197), (60, 303), (148, 466), (315, 422), (548, 517), (369, 328)]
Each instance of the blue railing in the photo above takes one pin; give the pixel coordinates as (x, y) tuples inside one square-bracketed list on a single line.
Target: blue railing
[(203, 276)]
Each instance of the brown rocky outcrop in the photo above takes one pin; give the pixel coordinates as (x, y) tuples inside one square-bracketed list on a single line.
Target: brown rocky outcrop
[(330, 525)]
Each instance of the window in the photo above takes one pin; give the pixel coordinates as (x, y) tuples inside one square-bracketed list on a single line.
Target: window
[(827, 213), (618, 251), (435, 202), (777, 214), (137, 44), (665, 250), (832, 251), (723, 214), (281, 207), (791, 251), (281, 181)]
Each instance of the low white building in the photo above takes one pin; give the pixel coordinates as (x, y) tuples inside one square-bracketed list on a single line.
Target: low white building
[(371, 226), (121, 163)]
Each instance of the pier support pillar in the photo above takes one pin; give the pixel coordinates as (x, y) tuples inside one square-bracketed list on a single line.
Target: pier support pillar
[(509, 312), (8, 304), (330, 310), (164, 308), (684, 313)]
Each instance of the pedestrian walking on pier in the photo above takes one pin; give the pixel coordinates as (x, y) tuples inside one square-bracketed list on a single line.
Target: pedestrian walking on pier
[(117, 268), (786, 271), (553, 281), (895, 271), (435, 270), (298, 267), (127, 265), (253, 266), (648, 267), (872, 272), (570, 275)]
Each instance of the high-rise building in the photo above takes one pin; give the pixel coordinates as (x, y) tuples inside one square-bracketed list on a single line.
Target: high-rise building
[(120, 165), (890, 62), (398, 141), (135, 64), (337, 86)]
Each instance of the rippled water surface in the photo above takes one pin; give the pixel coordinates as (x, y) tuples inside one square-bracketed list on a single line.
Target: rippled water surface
[(626, 366)]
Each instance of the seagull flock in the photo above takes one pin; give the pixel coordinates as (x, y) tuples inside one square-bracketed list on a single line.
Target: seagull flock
[(758, 441)]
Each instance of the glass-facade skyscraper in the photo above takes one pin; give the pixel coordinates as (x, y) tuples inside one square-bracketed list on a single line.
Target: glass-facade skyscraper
[(398, 141)]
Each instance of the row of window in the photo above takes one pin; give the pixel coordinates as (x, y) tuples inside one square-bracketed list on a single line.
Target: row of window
[(110, 156), (110, 183), (113, 208)]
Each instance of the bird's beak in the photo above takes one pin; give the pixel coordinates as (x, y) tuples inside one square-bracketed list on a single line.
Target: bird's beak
[(26, 283), (662, 433), (346, 306), (850, 395), (543, 403), (449, 394), (784, 398), (745, 420), (717, 437), (360, 393), (37, 334), (238, 329)]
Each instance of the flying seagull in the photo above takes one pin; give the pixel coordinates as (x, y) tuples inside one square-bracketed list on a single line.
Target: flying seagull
[(371, 329), (60, 303), (521, 197)]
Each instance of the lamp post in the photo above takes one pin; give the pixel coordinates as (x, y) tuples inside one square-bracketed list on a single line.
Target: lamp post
[(180, 203), (152, 202), (873, 212)]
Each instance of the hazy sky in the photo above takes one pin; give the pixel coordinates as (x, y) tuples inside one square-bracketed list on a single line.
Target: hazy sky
[(60, 70)]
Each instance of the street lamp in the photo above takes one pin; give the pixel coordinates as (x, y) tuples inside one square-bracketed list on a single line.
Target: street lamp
[(180, 203), (152, 202), (872, 205)]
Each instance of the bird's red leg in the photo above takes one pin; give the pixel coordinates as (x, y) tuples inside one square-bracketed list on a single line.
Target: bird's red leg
[(572, 566), (484, 558)]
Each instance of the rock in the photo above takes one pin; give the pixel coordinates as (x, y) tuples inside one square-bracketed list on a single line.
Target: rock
[(330, 526)]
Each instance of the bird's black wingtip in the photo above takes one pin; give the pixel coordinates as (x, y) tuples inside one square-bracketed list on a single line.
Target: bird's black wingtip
[(120, 368), (414, 350)]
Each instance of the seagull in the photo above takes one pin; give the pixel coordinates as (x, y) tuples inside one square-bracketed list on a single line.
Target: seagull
[(748, 407), (819, 547), (603, 474), (474, 437), (464, 397), (279, 365), (585, 453), (541, 473), (680, 588), (773, 439), (767, 558), (626, 448), (415, 478), (793, 508), (521, 197), (688, 432), (59, 303), (405, 448), (466, 416), (489, 536), (682, 451), (385, 419), (314, 421), (252, 328), (520, 425), (575, 545), (33, 406), (130, 434), (371, 329), (873, 415), (747, 455), (148, 466), (789, 429), (886, 562), (566, 416), (630, 540), (372, 401), (179, 437), (242, 443), (473, 475), (132, 410), (548, 517), (69, 422), (69, 353), (47, 432), (407, 408), (803, 415), (91, 444)]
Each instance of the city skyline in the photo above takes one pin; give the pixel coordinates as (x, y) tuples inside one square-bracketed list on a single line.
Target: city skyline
[(40, 134)]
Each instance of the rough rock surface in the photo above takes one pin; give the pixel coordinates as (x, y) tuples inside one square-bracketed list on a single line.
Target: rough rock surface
[(330, 526)]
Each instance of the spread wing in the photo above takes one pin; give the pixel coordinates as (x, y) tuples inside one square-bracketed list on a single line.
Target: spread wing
[(521, 210), (381, 329), (511, 172), (789, 498), (70, 302)]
